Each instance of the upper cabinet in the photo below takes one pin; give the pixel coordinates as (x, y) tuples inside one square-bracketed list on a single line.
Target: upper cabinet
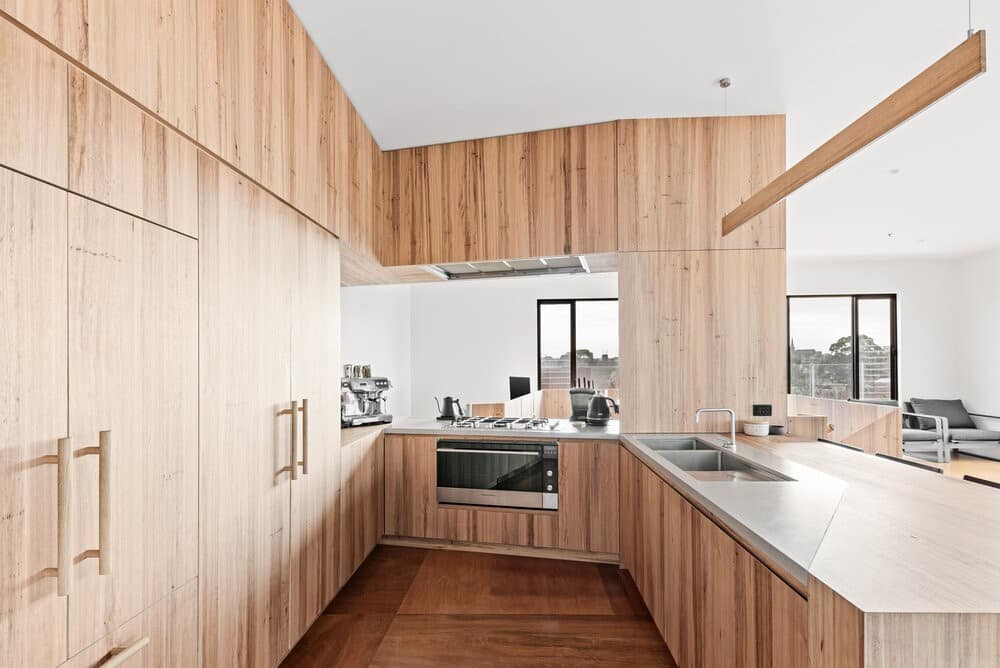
[(145, 48), (677, 178), (33, 106), (525, 195), (122, 156)]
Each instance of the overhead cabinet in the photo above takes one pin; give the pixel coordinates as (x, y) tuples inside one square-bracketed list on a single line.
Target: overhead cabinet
[(270, 411), (100, 413), (677, 177), (525, 195)]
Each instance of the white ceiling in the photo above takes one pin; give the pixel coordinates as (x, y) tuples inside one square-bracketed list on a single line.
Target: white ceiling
[(444, 70)]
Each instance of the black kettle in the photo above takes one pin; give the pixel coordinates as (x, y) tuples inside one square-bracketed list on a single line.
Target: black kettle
[(448, 409), (599, 411)]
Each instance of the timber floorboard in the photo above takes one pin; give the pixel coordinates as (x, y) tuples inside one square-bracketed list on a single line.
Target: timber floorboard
[(415, 607)]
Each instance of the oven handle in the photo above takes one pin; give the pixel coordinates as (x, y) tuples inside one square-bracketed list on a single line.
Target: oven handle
[(490, 452)]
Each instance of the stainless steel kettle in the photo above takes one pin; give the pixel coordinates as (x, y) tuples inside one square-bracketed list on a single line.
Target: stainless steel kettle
[(447, 410), (599, 411)]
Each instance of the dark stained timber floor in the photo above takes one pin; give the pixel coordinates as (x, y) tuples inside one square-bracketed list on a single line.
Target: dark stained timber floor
[(412, 607)]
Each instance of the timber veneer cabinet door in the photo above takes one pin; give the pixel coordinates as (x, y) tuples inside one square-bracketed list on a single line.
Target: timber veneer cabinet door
[(316, 493), (143, 47), (33, 106), (247, 246), (133, 370), (362, 502), (588, 496), (677, 178), (33, 398)]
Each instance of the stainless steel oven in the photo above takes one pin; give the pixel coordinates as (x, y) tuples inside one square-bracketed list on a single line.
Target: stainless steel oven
[(515, 474)]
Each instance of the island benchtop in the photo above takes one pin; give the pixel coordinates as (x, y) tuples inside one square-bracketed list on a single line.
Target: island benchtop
[(888, 538)]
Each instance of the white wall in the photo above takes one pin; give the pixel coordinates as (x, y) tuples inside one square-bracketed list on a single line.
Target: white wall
[(469, 336), (926, 310), (376, 330), (977, 328)]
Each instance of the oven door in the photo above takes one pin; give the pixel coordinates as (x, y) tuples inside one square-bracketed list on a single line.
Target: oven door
[(506, 474)]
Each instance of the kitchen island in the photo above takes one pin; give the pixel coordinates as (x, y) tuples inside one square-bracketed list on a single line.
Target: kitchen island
[(895, 565)]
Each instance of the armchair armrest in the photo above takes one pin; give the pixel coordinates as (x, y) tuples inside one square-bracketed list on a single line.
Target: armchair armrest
[(940, 424)]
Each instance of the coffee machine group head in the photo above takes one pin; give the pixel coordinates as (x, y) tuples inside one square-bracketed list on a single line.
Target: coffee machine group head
[(363, 398)]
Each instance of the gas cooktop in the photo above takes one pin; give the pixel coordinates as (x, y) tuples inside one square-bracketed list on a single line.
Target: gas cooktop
[(526, 424)]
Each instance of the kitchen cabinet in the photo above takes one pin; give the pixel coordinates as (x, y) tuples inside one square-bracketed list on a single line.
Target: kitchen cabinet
[(526, 195), (133, 369), (143, 47), (714, 603), (33, 401), (362, 499), (588, 496), (269, 340), (122, 156), (100, 336), (586, 522), (677, 178), (33, 103), (315, 383), (165, 634)]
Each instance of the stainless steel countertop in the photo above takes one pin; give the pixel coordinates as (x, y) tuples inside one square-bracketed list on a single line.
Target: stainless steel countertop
[(564, 430)]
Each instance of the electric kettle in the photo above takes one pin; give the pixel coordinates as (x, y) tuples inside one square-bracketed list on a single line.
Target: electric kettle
[(599, 412), (448, 409)]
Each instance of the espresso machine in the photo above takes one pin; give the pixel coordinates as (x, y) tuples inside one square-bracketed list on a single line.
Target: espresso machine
[(363, 398)]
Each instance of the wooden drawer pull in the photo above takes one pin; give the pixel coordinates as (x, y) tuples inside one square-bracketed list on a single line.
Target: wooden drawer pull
[(119, 656), (64, 503), (305, 436)]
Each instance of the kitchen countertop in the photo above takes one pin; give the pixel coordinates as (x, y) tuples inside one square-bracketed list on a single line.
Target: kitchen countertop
[(564, 430), (885, 536), (350, 435)]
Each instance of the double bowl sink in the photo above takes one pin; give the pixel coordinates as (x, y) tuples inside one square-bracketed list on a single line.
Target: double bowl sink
[(706, 461)]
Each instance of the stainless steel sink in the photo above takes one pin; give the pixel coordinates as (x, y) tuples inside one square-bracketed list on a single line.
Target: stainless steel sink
[(710, 463), (671, 443)]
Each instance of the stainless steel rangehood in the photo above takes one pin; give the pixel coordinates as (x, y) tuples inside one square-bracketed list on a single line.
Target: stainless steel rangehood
[(562, 264)]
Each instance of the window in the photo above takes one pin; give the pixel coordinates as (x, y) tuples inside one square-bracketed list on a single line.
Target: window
[(824, 331), (577, 341)]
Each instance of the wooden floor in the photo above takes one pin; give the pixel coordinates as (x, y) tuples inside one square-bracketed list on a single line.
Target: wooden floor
[(962, 465), (414, 607)]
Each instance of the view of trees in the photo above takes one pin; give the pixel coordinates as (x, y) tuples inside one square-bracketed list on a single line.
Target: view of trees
[(829, 374)]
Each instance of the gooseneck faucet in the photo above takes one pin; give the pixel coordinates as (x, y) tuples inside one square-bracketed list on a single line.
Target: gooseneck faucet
[(732, 421)]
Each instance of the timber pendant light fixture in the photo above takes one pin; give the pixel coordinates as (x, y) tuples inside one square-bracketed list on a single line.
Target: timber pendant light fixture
[(963, 63)]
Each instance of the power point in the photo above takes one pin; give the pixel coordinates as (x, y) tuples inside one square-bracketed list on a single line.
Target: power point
[(762, 410)]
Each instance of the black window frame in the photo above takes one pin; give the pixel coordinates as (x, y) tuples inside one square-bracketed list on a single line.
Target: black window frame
[(572, 333), (855, 365)]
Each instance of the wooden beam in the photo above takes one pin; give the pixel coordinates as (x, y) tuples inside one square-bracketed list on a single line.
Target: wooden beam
[(964, 62)]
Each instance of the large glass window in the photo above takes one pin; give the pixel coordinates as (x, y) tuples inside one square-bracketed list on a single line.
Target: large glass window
[(577, 343), (824, 333)]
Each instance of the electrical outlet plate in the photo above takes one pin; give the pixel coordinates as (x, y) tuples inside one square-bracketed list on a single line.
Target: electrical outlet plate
[(762, 410)]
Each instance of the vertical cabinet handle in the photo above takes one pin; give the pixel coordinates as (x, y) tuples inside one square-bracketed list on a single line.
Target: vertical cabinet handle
[(293, 455), (64, 503), (120, 655), (305, 436), (104, 502)]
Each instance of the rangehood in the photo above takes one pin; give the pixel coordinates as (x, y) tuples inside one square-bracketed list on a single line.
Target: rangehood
[(538, 266)]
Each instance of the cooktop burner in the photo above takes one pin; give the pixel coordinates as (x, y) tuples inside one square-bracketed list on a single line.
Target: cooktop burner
[(472, 422)]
